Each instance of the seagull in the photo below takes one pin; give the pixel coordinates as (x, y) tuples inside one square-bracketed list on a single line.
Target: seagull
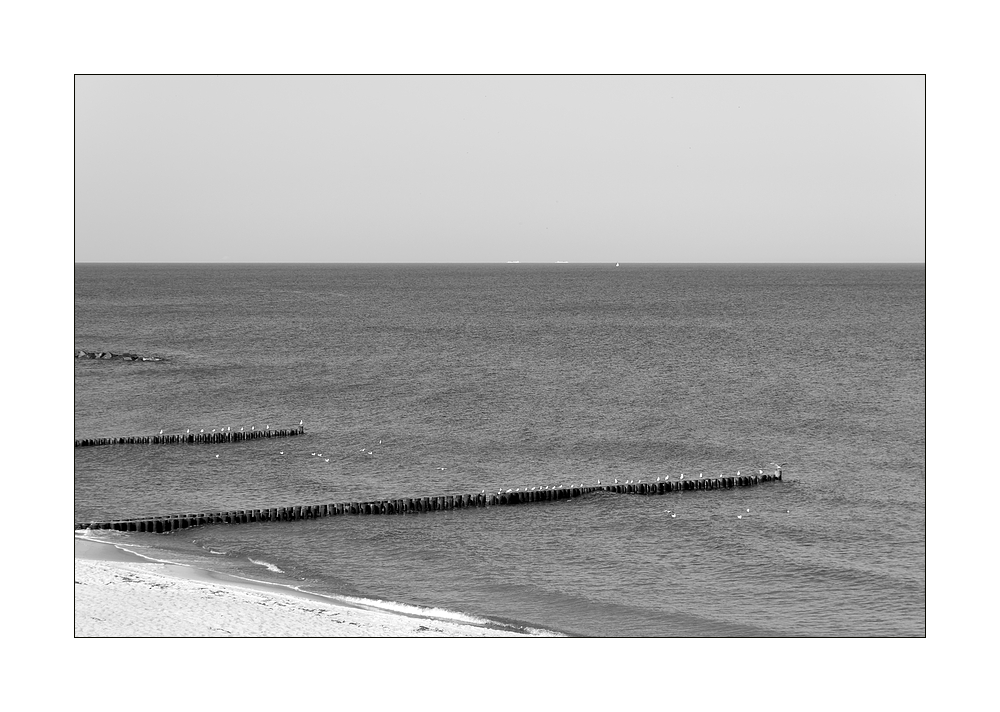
[(267, 427), (312, 453), (483, 492), (161, 431), (739, 516), (748, 509), (666, 478), (326, 460), (252, 427), (616, 481), (598, 482), (657, 479), (188, 431), (216, 456), (282, 452), (673, 516), (701, 474), (202, 430), (682, 475), (300, 422), (241, 428)]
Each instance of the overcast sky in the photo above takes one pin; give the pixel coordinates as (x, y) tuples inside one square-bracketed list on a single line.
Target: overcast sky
[(497, 168)]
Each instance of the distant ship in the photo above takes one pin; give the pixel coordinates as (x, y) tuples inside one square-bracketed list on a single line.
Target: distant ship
[(513, 262), (562, 262)]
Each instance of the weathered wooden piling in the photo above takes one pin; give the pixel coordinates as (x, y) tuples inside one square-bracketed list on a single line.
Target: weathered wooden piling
[(164, 524), (224, 436)]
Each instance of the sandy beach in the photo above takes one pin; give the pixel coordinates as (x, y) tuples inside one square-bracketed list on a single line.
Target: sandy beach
[(121, 594)]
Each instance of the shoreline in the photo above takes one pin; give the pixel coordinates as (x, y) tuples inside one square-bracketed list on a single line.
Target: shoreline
[(119, 593)]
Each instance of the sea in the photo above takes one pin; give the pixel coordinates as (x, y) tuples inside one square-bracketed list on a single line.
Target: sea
[(435, 379)]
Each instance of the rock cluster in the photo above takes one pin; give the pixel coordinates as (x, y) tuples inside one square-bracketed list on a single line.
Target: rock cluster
[(107, 355)]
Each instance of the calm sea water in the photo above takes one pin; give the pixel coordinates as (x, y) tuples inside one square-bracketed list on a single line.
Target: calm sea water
[(460, 378)]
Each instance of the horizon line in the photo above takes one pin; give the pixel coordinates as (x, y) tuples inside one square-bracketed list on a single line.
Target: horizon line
[(510, 262)]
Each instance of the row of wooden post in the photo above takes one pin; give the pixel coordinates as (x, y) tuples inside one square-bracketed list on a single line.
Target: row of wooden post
[(173, 522), (223, 436)]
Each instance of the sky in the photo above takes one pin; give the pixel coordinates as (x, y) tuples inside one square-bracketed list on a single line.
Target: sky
[(532, 168)]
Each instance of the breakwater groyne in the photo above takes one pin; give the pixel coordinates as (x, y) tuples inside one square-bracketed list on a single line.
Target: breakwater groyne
[(412, 505), (227, 435)]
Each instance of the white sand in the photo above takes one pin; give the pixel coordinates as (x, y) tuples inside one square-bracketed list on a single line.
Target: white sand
[(121, 594)]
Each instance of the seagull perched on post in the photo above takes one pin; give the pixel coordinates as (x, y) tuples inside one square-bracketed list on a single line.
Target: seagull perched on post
[(300, 422), (161, 431)]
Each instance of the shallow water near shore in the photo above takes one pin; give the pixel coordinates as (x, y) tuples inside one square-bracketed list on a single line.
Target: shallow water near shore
[(447, 379)]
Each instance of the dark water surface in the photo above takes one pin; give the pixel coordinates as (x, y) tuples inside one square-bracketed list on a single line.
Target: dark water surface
[(521, 376)]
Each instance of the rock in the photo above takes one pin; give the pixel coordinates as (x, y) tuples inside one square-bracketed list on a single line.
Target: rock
[(109, 355)]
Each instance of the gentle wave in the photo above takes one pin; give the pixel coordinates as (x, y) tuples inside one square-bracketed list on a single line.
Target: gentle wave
[(266, 564)]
